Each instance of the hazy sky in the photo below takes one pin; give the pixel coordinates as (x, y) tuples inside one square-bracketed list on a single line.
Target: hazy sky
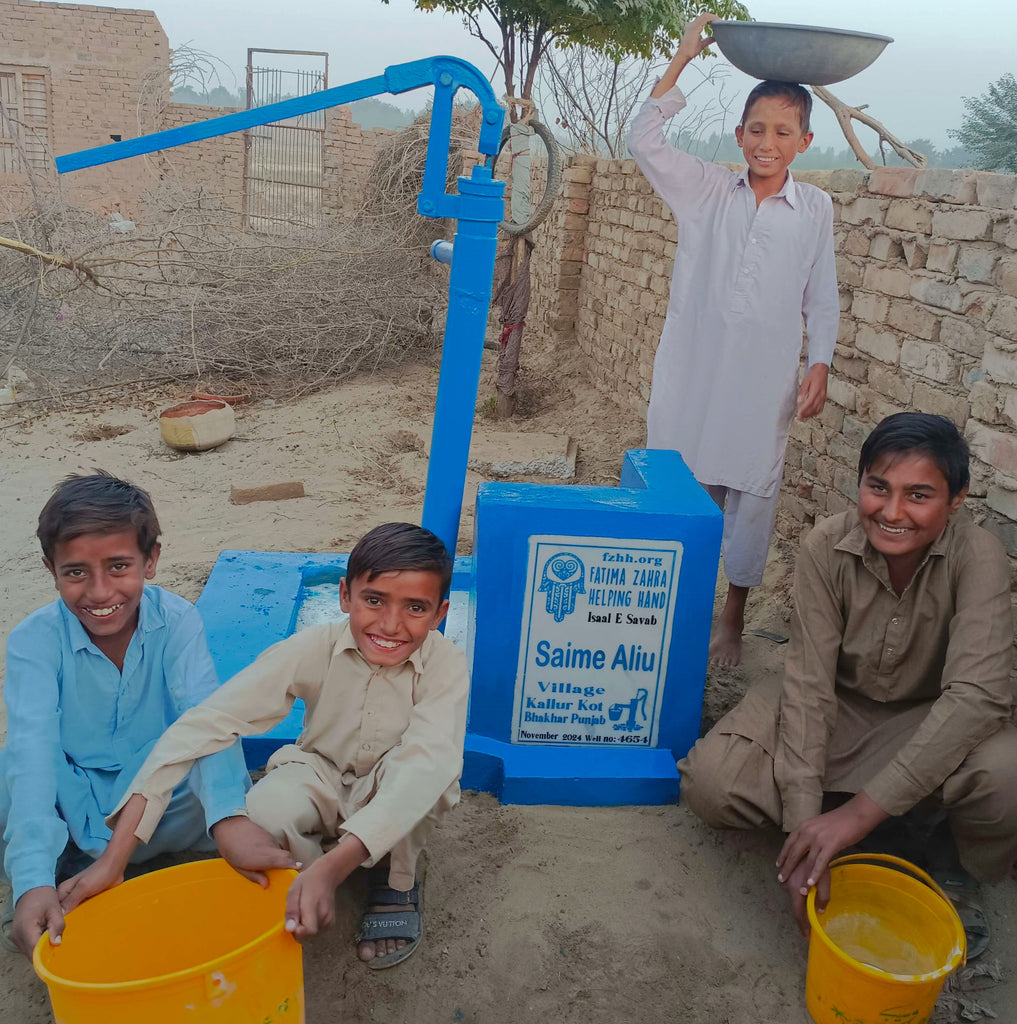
[(942, 49)]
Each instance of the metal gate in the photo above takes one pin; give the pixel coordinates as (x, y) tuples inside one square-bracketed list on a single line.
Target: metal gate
[(284, 161)]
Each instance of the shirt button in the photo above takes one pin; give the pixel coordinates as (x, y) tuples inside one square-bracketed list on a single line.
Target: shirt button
[(889, 650), (895, 621)]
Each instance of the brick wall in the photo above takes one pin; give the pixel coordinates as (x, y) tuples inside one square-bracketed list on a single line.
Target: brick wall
[(927, 267), (99, 61)]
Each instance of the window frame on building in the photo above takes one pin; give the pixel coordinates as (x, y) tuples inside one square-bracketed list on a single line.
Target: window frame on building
[(29, 149)]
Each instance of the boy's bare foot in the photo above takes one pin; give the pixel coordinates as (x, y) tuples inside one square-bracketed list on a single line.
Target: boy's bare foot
[(726, 639), (725, 645)]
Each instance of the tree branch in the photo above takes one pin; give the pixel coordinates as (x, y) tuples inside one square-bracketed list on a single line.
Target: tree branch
[(48, 257), (845, 113)]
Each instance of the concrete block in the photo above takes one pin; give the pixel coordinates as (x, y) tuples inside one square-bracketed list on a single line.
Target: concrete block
[(852, 366), (977, 263), (995, 190), (870, 307), (910, 318), (849, 273), (942, 257), (929, 360), (937, 293), (909, 216), (999, 360), (893, 181), (1005, 532), (845, 481), (964, 225), (946, 186), (888, 280), (855, 431), (881, 345), (996, 447)]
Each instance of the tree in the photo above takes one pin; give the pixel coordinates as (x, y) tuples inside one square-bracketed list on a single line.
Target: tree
[(519, 32), (989, 128)]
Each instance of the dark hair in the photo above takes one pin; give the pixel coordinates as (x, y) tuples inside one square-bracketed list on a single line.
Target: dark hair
[(907, 433), (797, 96), (96, 503), (400, 547)]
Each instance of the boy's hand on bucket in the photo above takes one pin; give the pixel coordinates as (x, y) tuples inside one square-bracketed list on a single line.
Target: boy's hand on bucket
[(249, 849), (37, 911), (102, 874), (807, 852)]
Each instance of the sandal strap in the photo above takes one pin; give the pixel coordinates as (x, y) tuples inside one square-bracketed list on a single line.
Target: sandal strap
[(382, 894), (404, 924)]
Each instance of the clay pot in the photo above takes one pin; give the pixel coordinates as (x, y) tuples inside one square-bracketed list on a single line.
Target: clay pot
[(197, 426)]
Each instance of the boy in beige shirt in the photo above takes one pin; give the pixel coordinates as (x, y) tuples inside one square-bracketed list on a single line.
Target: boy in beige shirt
[(375, 768)]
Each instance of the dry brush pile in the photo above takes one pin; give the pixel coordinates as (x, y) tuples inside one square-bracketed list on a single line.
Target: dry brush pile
[(189, 293)]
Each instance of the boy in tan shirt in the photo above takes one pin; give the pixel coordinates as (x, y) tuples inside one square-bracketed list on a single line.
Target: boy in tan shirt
[(377, 763)]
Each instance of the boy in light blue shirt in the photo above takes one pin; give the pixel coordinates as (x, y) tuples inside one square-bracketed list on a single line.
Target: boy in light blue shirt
[(92, 681)]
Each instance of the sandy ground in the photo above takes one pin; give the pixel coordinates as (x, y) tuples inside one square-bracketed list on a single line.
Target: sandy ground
[(532, 913)]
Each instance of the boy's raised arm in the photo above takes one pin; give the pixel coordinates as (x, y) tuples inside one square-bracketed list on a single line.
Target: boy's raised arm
[(691, 45)]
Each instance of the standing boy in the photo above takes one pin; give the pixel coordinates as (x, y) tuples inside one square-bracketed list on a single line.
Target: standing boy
[(755, 256), (377, 764), (897, 682), (92, 681)]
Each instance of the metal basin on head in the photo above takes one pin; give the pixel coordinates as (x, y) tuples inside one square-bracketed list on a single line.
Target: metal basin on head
[(806, 54)]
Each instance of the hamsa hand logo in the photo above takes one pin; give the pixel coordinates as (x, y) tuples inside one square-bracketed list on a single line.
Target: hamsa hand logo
[(564, 576)]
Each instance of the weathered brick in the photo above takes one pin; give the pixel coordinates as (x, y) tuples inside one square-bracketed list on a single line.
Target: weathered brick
[(929, 360), (936, 293), (847, 180), (963, 336), (849, 273), (1005, 532), (985, 402), (863, 210), (977, 263), (841, 392), (888, 280), (856, 244), (891, 383), (945, 186), (964, 225), (996, 447), (885, 247), (882, 345), (910, 318), (870, 307), (995, 190), (1004, 319), (893, 181), (942, 257), (846, 482), (932, 399), (916, 253), (852, 366), (999, 361), (1008, 277)]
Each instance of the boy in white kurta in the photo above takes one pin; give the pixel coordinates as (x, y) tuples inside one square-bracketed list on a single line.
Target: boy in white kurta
[(755, 256)]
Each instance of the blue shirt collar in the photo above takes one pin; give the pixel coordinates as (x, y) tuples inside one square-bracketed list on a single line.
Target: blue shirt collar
[(150, 618)]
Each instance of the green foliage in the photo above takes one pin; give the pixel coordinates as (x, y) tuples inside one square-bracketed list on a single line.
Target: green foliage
[(989, 128), (523, 29)]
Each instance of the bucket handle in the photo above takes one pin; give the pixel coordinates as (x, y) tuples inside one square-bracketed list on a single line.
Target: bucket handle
[(907, 868)]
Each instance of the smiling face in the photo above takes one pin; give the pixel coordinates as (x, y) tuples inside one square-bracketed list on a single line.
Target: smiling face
[(770, 138), (391, 615), (100, 577), (904, 504)]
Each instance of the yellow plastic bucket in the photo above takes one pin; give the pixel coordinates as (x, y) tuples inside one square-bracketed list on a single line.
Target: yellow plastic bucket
[(196, 943), (883, 947)]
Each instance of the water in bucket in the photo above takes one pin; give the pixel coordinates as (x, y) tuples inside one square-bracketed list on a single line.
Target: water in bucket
[(883, 947), (196, 943)]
